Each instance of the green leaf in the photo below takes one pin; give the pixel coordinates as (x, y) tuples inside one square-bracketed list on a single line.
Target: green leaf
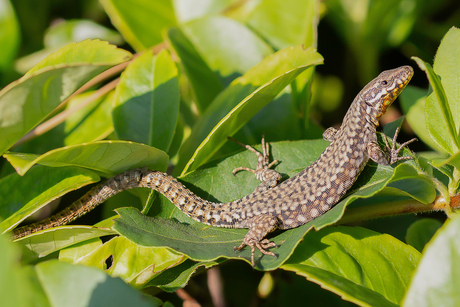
[(67, 31), (206, 85), (88, 120), (47, 241), (286, 24), (239, 102), (453, 160), (178, 276), (85, 53), (77, 285), (22, 196), (368, 268), (10, 35), (436, 279), (64, 32), (421, 232), (26, 102), (17, 285), (140, 21), (439, 121), (187, 10), (446, 66), (205, 243), (134, 264), (90, 123), (146, 103), (413, 104), (76, 251), (407, 180), (106, 157), (214, 51)]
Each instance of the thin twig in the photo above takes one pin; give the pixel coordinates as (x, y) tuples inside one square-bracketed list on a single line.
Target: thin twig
[(215, 286), (189, 301)]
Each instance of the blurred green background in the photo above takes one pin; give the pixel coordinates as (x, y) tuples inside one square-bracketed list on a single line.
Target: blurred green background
[(358, 39)]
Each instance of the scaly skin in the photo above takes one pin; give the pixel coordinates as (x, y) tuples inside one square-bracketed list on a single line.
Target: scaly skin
[(290, 204)]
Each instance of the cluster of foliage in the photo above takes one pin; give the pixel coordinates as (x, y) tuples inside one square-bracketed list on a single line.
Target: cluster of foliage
[(199, 72)]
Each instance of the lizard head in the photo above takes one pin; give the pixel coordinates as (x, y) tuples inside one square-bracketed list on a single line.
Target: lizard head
[(383, 90)]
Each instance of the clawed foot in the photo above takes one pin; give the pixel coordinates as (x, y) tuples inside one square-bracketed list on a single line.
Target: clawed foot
[(263, 165), (393, 151), (262, 246)]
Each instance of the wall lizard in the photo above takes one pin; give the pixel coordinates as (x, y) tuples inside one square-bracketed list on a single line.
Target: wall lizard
[(292, 203)]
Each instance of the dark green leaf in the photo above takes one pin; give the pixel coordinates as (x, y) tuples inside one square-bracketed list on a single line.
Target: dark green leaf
[(421, 232)]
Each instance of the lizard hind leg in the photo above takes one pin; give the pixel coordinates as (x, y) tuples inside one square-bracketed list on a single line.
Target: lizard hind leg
[(259, 227)]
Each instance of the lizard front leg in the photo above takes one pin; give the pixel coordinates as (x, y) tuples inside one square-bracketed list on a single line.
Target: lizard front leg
[(259, 227), (269, 177), (391, 154)]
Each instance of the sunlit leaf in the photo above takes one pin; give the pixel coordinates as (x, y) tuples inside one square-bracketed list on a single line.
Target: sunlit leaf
[(286, 23), (42, 185), (26, 102), (146, 102), (9, 36), (106, 157), (439, 121), (367, 268), (133, 263), (140, 21), (413, 104), (77, 285), (435, 281)]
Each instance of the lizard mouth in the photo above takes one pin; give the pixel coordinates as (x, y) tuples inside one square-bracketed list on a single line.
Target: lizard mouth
[(394, 93)]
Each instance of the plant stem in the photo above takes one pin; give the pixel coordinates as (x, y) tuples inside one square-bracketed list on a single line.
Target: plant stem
[(396, 208)]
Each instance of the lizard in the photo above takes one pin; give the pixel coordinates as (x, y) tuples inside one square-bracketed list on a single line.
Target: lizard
[(271, 206)]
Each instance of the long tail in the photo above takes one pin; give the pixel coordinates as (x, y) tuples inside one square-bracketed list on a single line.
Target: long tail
[(177, 193)]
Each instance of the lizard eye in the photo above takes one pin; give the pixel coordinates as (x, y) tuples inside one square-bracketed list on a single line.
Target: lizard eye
[(384, 82)]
